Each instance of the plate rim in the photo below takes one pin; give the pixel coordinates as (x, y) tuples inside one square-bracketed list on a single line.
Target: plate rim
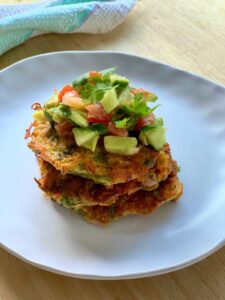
[(154, 61), (125, 275)]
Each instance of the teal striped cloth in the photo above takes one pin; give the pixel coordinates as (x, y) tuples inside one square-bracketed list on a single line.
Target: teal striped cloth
[(20, 22)]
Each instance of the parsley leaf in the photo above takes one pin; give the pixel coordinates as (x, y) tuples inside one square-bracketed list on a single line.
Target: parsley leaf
[(147, 127), (100, 128), (48, 116), (95, 93), (87, 91), (65, 110), (139, 107), (158, 121), (83, 79), (122, 123), (80, 80), (108, 71)]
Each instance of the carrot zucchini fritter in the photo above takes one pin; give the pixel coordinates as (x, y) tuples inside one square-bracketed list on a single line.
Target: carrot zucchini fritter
[(140, 202), (101, 150), (99, 166), (85, 192)]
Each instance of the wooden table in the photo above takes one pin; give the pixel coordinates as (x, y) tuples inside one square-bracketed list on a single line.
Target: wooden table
[(186, 34)]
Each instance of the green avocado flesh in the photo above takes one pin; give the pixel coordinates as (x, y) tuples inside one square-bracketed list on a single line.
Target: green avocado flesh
[(117, 79), (110, 101), (79, 118), (103, 106), (86, 138), (121, 145), (153, 136)]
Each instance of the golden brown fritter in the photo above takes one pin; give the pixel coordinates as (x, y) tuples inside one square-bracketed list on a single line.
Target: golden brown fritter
[(99, 185), (140, 202), (85, 192), (99, 166)]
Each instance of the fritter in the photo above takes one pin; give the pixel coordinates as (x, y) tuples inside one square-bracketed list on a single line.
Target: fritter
[(101, 149), (100, 166), (139, 203), (85, 192)]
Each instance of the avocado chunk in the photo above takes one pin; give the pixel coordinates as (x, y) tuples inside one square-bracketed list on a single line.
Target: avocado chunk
[(121, 145), (125, 96), (39, 115), (56, 114), (62, 112), (116, 79), (86, 138), (78, 117), (154, 136), (109, 100), (52, 102)]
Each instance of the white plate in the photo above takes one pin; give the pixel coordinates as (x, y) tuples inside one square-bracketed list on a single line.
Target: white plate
[(176, 235)]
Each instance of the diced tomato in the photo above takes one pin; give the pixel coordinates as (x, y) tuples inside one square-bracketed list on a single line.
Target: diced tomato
[(148, 120), (67, 89), (97, 120), (96, 114), (117, 131), (140, 91), (95, 74), (72, 100)]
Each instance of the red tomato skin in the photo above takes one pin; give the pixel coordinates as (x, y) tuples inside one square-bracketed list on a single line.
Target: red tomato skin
[(117, 131), (148, 120), (96, 114), (66, 89)]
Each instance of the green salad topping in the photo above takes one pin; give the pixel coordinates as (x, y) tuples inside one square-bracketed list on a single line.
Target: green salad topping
[(102, 105)]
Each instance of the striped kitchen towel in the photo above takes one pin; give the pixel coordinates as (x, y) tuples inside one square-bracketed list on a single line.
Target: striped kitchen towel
[(20, 22)]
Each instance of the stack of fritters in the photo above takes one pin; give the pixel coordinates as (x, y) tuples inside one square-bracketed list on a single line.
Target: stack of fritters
[(99, 185)]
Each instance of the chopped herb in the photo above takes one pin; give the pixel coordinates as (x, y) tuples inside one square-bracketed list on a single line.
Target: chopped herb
[(102, 129), (178, 168), (122, 123), (148, 97), (158, 121), (154, 107), (98, 158), (132, 122), (69, 150), (147, 127), (80, 80), (94, 93), (149, 163), (48, 116), (138, 107), (83, 79), (67, 202), (65, 110), (108, 71)]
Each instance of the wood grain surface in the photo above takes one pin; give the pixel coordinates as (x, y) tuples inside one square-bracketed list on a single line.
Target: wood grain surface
[(17, 1), (189, 35)]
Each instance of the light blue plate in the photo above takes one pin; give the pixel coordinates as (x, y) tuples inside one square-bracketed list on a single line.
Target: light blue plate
[(176, 235)]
